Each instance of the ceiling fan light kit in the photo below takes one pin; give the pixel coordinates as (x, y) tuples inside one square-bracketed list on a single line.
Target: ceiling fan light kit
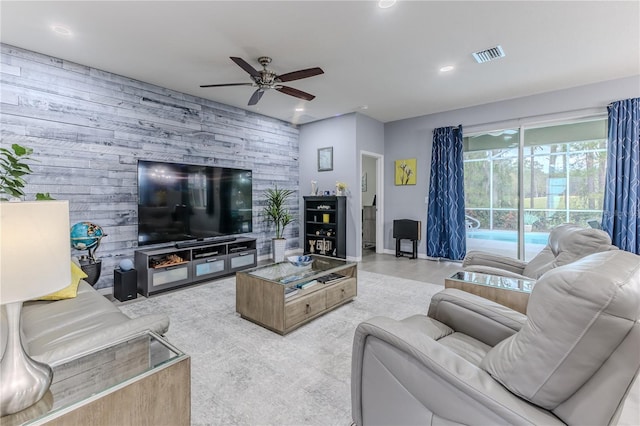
[(266, 79)]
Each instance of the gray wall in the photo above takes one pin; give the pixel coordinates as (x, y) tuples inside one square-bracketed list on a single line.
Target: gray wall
[(413, 137), (347, 134), (88, 128)]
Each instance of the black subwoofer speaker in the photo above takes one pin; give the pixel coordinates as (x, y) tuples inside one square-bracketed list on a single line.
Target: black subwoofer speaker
[(125, 284)]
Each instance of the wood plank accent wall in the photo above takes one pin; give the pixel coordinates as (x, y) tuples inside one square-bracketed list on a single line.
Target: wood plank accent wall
[(89, 127)]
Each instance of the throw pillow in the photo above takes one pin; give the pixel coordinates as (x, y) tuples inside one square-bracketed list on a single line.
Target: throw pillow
[(71, 290)]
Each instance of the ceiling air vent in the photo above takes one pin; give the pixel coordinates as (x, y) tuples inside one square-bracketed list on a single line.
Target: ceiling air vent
[(488, 54)]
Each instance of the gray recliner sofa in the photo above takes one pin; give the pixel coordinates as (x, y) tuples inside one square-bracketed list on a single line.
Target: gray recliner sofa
[(567, 243), (54, 331), (571, 360)]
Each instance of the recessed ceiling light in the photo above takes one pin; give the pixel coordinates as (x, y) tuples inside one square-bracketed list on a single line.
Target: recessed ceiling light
[(447, 68), (385, 4), (61, 29), (299, 109)]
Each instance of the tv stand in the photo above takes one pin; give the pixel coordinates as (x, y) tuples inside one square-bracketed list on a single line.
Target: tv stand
[(167, 268), (203, 242)]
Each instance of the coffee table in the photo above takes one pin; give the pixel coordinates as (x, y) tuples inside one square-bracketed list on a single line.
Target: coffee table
[(511, 292), (281, 297)]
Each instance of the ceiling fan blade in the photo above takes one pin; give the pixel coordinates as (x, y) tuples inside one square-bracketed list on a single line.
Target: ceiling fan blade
[(295, 92), (297, 75), (227, 84), (245, 66), (256, 97)]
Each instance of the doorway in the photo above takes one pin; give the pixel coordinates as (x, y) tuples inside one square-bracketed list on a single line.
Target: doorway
[(371, 202)]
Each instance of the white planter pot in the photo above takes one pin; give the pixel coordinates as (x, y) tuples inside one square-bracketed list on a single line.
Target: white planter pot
[(528, 228), (278, 246)]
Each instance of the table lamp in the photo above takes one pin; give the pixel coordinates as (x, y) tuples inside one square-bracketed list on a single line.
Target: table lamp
[(34, 261)]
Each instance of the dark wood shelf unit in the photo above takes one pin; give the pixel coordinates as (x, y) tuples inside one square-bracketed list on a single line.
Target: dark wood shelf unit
[(199, 263), (317, 226)]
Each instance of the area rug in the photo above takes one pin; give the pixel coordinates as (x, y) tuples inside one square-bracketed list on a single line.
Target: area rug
[(243, 374)]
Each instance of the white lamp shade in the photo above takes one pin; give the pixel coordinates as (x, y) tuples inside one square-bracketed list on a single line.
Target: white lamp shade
[(34, 249)]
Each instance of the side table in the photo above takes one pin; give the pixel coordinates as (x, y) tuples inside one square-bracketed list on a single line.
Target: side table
[(140, 380), (510, 292)]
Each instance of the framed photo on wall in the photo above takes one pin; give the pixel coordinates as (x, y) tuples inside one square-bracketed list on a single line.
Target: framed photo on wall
[(325, 159), (406, 171)]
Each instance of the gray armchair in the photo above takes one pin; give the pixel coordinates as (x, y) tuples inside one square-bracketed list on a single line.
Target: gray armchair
[(567, 243), (572, 360)]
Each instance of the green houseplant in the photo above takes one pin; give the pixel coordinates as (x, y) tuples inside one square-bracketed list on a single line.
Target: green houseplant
[(277, 213), (13, 169), (529, 220)]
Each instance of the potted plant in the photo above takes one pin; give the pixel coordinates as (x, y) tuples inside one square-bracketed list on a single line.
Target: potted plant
[(13, 169), (277, 213), (529, 220)]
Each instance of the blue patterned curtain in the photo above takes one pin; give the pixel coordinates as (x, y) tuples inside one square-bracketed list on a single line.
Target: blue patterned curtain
[(446, 231), (621, 206)]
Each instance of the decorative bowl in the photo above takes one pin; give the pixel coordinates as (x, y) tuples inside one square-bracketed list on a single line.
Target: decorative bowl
[(300, 260)]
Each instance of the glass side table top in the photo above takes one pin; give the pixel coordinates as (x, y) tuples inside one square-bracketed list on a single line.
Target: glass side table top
[(92, 374), (496, 281), (285, 273)]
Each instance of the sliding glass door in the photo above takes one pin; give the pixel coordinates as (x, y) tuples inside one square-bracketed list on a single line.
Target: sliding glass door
[(491, 191), (518, 188)]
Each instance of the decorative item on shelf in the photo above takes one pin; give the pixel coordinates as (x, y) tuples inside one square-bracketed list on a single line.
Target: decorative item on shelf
[(314, 187), (312, 244), (300, 260), (406, 171), (126, 265), (87, 236), (30, 231), (167, 260), (275, 211), (341, 189), (326, 217), (323, 207)]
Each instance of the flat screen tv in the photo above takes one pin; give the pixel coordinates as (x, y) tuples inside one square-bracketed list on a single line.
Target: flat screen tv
[(178, 202)]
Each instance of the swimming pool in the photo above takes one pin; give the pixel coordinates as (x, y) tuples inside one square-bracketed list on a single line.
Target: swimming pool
[(509, 236)]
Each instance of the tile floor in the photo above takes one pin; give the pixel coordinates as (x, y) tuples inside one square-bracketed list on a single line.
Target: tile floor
[(430, 271)]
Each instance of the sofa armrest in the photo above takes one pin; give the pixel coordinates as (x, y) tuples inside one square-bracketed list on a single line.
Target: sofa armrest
[(475, 316), (59, 353), (400, 376), (481, 258)]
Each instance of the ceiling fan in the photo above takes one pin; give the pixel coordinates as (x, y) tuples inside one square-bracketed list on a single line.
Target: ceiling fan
[(267, 79)]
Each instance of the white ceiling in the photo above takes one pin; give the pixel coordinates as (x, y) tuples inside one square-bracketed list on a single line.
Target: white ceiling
[(385, 59)]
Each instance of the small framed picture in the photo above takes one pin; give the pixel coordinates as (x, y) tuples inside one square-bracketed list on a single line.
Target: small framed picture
[(325, 159), (406, 171)]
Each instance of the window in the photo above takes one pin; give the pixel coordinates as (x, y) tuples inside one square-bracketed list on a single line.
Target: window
[(556, 176)]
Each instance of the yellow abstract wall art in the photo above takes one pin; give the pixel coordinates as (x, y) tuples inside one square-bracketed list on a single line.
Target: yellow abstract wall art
[(406, 171)]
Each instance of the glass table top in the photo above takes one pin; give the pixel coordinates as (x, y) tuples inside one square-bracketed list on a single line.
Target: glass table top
[(95, 373), (285, 273), (497, 281)]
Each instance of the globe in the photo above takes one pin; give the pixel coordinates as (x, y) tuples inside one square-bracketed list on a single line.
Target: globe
[(86, 236)]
